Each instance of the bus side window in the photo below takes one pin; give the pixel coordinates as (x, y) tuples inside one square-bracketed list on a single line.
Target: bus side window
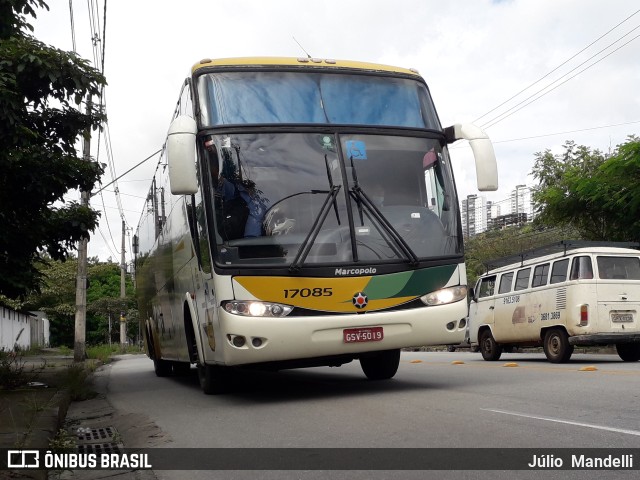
[(540, 275), (559, 271), (505, 282), (487, 286), (581, 269), (522, 279)]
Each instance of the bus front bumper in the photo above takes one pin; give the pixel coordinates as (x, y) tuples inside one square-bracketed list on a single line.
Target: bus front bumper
[(289, 338)]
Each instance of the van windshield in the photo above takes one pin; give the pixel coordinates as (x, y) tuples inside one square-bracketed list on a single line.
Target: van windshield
[(619, 268)]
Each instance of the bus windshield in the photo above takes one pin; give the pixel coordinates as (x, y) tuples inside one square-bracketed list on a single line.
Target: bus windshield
[(258, 97), (341, 198)]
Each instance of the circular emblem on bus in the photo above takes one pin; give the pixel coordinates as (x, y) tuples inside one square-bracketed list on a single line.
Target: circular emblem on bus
[(360, 300)]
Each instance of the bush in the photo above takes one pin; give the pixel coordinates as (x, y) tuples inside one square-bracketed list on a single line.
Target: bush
[(13, 372)]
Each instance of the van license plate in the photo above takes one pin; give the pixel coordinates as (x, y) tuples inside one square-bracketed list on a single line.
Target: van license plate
[(622, 317), (369, 334)]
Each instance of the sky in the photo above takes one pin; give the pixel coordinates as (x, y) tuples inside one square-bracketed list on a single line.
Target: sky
[(477, 56)]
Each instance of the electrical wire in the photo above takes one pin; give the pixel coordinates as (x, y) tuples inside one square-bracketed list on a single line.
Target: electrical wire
[(558, 67), (73, 27), (515, 108)]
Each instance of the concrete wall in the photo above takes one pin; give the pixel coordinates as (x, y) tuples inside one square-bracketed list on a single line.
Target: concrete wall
[(14, 325)]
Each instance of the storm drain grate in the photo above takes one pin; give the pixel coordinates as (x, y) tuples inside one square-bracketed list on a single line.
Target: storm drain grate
[(103, 434), (98, 440), (99, 448)]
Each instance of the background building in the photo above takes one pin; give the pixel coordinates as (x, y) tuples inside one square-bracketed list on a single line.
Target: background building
[(479, 215)]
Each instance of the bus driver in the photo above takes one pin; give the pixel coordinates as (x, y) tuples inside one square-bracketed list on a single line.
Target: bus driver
[(239, 209)]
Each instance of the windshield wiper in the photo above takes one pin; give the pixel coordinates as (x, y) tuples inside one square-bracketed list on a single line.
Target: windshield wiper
[(307, 243), (361, 199)]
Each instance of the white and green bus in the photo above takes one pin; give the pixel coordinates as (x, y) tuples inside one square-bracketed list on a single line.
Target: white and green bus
[(303, 213), (559, 296)]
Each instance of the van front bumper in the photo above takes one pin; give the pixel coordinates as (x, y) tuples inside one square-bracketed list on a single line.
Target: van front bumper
[(605, 339)]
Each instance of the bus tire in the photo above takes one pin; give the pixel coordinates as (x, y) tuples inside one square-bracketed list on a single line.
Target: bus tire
[(490, 350), (556, 346), (181, 368), (381, 365), (628, 352), (162, 367), (213, 379)]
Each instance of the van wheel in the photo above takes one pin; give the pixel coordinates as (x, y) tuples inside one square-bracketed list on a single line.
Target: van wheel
[(214, 379), (556, 346), (628, 352), (490, 350), (382, 365)]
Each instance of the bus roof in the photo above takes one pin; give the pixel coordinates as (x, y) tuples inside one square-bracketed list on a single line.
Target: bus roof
[(559, 249), (299, 62)]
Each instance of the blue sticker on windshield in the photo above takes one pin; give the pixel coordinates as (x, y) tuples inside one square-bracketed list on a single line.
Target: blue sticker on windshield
[(356, 149)]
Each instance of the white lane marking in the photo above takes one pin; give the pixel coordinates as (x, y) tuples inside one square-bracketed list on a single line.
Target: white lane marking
[(567, 422)]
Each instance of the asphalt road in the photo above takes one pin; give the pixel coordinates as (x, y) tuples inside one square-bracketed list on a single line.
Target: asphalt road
[(436, 400)]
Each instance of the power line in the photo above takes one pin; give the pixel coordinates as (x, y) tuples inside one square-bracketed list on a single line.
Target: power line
[(128, 171), (567, 132), (556, 68), (73, 28), (515, 108), (460, 145)]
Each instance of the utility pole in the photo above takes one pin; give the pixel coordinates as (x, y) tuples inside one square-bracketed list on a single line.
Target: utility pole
[(79, 346), (123, 293)]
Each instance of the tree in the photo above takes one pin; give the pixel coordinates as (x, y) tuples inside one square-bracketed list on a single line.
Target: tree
[(493, 244), (39, 128), (57, 299), (597, 194)]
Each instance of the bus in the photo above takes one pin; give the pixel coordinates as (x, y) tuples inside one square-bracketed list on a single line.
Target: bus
[(303, 213), (559, 296)]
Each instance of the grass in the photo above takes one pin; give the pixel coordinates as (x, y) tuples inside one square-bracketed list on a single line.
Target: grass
[(104, 352), (14, 372)]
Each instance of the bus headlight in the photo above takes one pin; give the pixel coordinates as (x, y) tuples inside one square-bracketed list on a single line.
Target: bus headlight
[(252, 308), (445, 295)]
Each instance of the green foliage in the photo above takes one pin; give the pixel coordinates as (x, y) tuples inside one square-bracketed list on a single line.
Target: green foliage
[(104, 353), (40, 126), (596, 194), (75, 380), (495, 244), (57, 298), (13, 370)]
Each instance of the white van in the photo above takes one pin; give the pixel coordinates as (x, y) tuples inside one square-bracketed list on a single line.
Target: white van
[(566, 294)]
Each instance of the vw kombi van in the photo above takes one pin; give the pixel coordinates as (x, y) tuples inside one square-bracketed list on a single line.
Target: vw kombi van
[(559, 296)]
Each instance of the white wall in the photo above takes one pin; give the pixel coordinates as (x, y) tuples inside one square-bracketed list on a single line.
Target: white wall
[(12, 324)]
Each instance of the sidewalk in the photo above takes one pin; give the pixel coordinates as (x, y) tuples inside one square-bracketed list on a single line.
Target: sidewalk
[(33, 417)]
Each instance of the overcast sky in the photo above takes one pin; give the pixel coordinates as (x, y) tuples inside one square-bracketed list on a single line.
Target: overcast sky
[(474, 55)]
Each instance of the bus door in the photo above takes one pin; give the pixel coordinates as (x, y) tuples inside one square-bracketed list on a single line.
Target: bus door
[(481, 310)]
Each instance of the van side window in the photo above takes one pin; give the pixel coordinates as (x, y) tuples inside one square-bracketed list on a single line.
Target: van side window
[(540, 275), (559, 271), (487, 286), (505, 282), (522, 279), (581, 269)]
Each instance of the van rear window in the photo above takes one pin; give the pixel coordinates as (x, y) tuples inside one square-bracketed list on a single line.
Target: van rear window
[(619, 268)]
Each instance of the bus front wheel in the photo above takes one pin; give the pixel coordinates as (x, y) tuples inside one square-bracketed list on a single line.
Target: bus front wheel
[(628, 352), (381, 365), (556, 346), (213, 379), (490, 350), (162, 367)]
